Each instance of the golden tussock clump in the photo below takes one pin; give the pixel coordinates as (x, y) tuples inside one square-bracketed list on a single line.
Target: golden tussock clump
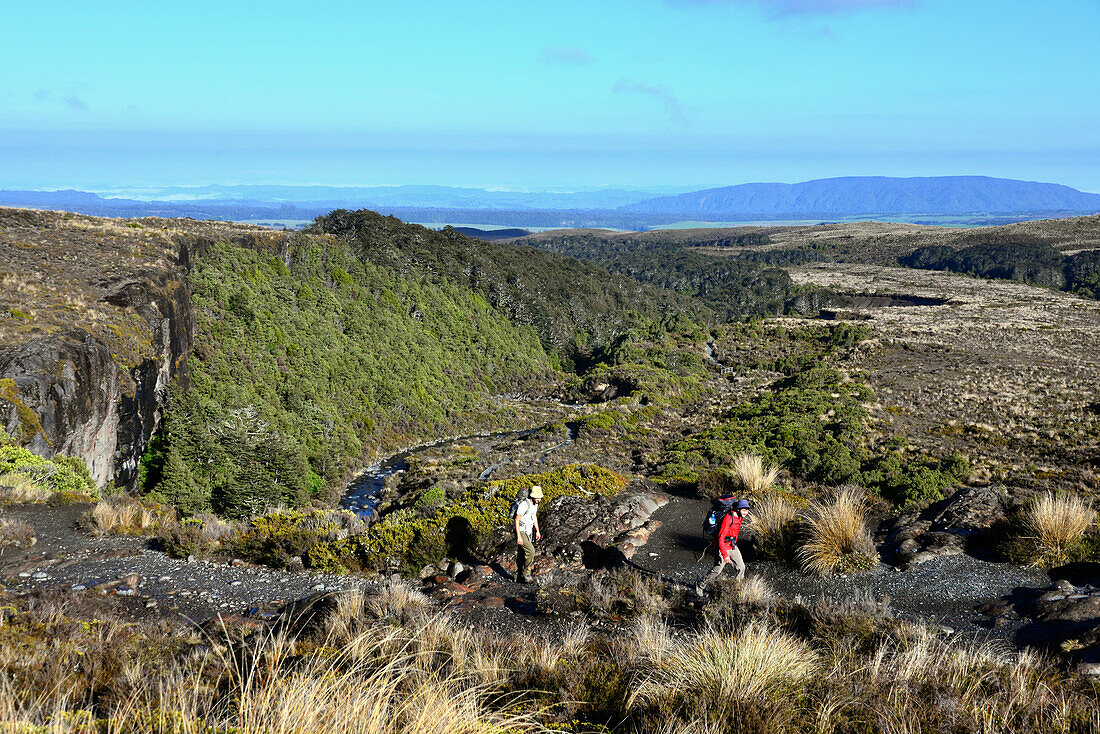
[(1056, 524), (838, 538)]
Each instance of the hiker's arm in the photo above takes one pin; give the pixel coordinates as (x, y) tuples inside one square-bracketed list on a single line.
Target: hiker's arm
[(725, 539), (538, 533), (519, 540)]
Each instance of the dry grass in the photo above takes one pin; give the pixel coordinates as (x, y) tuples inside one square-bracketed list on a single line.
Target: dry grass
[(17, 488), (16, 533), (754, 477), (756, 661), (773, 526), (361, 673), (128, 516), (1056, 524), (753, 590), (398, 602), (276, 689), (623, 592), (838, 538)]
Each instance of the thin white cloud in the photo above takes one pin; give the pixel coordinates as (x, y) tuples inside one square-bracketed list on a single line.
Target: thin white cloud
[(662, 94), (75, 103), (781, 8), (565, 56)]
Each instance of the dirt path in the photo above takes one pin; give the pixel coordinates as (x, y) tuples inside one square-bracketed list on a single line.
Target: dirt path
[(68, 560), (943, 591)]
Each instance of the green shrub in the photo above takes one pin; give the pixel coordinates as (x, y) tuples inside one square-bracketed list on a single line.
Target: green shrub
[(62, 474), (186, 539)]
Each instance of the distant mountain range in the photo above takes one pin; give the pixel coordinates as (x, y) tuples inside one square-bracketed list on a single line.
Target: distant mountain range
[(875, 195), (971, 199), (374, 197)]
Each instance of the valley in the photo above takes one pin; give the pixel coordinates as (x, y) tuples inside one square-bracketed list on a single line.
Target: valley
[(241, 380)]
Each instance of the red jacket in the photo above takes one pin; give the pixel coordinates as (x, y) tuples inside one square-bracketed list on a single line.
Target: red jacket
[(727, 533)]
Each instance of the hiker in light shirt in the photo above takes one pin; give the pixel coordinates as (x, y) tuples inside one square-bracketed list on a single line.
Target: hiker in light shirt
[(527, 522)]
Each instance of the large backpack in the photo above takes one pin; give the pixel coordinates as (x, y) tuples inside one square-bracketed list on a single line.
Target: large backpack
[(719, 508), (521, 496)]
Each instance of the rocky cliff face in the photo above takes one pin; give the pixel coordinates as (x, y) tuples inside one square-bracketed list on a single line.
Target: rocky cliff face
[(95, 321)]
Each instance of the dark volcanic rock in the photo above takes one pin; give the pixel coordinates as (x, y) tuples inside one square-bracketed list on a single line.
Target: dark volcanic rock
[(88, 404), (946, 528), (71, 382)]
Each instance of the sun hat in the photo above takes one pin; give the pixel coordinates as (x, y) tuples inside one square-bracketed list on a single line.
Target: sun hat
[(744, 505), (536, 492)]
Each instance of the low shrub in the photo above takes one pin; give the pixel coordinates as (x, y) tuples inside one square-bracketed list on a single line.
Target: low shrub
[(280, 539), (197, 536), (410, 541), (62, 474), (837, 538), (714, 484), (915, 483)]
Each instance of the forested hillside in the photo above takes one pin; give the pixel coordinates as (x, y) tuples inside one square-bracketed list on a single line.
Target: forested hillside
[(385, 335), (1028, 262), (577, 308), (300, 367), (733, 286)]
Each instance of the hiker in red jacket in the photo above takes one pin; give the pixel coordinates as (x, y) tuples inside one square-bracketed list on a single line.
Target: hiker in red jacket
[(725, 546)]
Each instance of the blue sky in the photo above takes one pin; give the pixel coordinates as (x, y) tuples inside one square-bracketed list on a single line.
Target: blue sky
[(546, 94)]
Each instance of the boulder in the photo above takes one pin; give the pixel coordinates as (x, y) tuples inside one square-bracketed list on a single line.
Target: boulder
[(946, 528), (582, 532)]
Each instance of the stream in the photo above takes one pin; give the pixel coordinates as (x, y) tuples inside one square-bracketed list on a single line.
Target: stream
[(364, 492)]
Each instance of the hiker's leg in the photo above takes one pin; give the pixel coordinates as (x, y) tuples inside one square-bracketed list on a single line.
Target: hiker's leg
[(527, 554), (521, 553), (738, 562), (714, 572)]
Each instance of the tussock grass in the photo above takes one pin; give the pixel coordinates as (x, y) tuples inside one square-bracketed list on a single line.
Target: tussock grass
[(753, 590), (652, 638), (623, 592), (1056, 523), (398, 602), (774, 527), (838, 540), (361, 672), (18, 488), (128, 516), (754, 477), (757, 660)]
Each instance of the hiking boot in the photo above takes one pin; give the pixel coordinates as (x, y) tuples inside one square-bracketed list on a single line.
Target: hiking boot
[(700, 592)]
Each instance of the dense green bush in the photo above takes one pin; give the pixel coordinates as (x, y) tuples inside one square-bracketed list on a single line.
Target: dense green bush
[(576, 308), (1028, 262), (66, 474), (798, 424), (300, 368), (732, 285)]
